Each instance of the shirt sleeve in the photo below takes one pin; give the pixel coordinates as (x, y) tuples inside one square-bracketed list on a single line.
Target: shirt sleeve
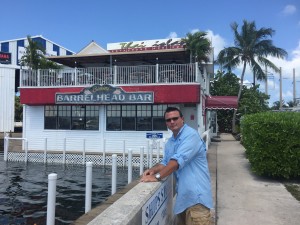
[(188, 147)]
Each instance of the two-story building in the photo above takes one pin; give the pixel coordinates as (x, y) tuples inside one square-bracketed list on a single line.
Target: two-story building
[(114, 99), (11, 52)]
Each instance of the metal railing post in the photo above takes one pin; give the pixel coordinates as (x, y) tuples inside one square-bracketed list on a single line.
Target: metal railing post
[(39, 77), (88, 187), (156, 73)]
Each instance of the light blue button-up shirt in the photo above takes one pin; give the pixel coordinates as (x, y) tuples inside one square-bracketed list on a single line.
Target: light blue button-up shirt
[(193, 179)]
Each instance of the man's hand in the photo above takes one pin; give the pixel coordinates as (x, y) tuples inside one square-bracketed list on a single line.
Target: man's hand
[(149, 172), (148, 178)]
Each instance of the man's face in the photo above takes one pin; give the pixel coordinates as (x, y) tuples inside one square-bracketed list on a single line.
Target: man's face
[(174, 121)]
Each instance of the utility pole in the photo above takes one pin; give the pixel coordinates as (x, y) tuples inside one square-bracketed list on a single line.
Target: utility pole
[(294, 87), (280, 91), (266, 82)]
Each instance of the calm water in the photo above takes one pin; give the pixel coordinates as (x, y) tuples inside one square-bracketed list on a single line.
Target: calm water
[(23, 191)]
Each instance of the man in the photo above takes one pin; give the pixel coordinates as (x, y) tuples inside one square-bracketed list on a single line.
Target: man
[(185, 155)]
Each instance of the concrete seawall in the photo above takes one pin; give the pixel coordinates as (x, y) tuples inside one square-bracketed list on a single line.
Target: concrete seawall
[(126, 206)]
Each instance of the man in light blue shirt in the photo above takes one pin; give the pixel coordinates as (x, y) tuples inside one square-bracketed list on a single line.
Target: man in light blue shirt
[(185, 155)]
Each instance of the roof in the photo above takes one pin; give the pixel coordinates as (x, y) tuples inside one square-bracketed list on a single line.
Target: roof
[(165, 56), (221, 102), (92, 48), (37, 36)]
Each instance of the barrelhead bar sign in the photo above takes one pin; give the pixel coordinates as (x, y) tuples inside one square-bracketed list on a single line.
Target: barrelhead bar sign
[(158, 209), (104, 94)]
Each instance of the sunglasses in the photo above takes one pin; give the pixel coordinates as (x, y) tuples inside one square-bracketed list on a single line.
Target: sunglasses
[(170, 119)]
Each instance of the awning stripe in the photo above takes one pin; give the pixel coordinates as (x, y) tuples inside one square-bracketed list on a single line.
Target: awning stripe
[(221, 102)]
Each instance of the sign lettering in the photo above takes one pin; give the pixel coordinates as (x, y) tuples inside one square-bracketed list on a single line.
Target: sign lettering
[(104, 94)]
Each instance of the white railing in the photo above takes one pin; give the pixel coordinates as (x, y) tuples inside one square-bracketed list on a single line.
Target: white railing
[(206, 136), (116, 75)]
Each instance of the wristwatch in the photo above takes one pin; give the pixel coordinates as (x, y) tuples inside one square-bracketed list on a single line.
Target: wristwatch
[(157, 176)]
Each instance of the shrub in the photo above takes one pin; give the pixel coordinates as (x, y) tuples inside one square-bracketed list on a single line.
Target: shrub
[(272, 143)]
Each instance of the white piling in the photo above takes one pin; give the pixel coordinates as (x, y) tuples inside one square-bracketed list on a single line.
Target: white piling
[(45, 150), (158, 151), (129, 165), (83, 152), (6, 144), (114, 174), (26, 151), (51, 198), (103, 155), (124, 145), (141, 160), (88, 187), (150, 156), (64, 151)]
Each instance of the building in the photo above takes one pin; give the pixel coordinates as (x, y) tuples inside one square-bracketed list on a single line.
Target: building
[(114, 100), (11, 52)]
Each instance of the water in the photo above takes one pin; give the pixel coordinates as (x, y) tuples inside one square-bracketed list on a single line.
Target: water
[(23, 191)]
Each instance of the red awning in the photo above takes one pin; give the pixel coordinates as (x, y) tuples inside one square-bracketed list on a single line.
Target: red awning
[(221, 102)]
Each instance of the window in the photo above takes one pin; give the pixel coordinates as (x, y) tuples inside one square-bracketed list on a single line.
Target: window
[(135, 117), (76, 117)]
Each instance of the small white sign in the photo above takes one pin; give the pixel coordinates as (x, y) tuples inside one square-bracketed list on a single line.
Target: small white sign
[(158, 209)]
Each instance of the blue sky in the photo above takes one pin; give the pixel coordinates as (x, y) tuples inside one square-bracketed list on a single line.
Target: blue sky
[(74, 23)]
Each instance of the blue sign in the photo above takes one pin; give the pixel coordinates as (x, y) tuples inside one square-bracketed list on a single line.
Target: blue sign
[(154, 135)]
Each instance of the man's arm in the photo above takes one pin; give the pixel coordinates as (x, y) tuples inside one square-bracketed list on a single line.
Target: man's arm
[(149, 175)]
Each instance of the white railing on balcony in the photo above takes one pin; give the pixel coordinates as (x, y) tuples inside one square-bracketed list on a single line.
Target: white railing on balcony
[(116, 75)]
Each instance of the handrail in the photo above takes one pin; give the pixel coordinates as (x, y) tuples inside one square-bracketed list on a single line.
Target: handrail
[(6, 146)]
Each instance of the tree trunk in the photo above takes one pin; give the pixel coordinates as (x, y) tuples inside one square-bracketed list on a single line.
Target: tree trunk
[(238, 99)]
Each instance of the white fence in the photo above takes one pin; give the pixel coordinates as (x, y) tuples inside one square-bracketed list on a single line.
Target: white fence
[(116, 75)]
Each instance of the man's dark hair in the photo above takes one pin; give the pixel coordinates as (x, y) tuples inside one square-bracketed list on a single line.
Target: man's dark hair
[(171, 109)]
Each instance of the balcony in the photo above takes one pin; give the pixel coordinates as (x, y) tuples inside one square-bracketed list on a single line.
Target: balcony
[(115, 75)]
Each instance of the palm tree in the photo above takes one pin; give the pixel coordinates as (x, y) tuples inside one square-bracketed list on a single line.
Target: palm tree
[(252, 47), (198, 45), (33, 55)]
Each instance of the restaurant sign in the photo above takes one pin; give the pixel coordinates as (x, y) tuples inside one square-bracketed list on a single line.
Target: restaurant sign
[(104, 94), (5, 58)]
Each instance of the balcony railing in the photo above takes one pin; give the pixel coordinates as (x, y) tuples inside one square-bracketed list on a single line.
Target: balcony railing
[(116, 75)]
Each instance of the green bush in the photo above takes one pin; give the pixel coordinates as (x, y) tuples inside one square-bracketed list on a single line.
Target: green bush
[(272, 143)]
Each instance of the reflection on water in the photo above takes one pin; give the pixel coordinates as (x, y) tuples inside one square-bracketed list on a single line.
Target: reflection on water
[(23, 191)]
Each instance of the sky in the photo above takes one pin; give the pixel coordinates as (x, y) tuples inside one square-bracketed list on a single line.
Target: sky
[(73, 24)]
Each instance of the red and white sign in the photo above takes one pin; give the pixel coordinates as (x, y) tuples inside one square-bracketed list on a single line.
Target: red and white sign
[(148, 45)]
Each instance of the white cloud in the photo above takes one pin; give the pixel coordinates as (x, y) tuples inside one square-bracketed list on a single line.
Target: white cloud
[(194, 31), (289, 10), (218, 42), (172, 35)]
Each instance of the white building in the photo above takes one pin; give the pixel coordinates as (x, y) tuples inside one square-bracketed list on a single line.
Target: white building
[(11, 52), (112, 100)]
